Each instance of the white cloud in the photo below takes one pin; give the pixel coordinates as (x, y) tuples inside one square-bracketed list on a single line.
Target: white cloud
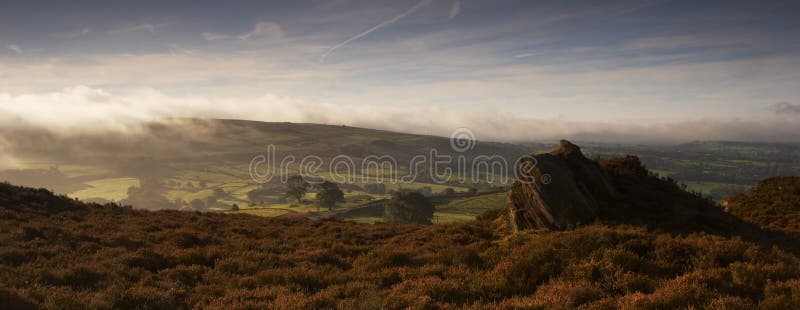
[(785, 108), (84, 109), (212, 36), (140, 27), (79, 33), (264, 29), (15, 48), (692, 41), (525, 55), (455, 9)]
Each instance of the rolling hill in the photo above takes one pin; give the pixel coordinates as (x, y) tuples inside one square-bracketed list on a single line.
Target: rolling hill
[(204, 164)]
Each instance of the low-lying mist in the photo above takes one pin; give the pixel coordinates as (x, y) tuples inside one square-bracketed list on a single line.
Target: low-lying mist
[(89, 112)]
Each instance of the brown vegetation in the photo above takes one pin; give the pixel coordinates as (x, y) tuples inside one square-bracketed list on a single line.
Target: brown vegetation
[(773, 203), (59, 253)]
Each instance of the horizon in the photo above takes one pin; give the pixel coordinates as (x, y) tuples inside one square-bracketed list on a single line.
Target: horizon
[(656, 72)]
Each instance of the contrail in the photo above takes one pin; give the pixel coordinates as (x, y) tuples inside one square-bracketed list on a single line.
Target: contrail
[(376, 27)]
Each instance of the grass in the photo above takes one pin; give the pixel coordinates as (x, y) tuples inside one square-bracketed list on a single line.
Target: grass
[(222, 159), (466, 209), (366, 219), (459, 210), (703, 187), (266, 212)]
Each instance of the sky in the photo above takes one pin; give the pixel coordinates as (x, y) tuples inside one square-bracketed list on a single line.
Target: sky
[(616, 71)]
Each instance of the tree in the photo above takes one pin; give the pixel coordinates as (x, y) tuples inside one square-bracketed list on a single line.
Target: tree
[(234, 207), (296, 187), (448, 191), (409, 208), (328, 194)]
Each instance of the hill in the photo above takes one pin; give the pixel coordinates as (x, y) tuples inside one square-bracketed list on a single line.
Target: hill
[(197, 164), (57, 252), (173, 163), (774, 203)]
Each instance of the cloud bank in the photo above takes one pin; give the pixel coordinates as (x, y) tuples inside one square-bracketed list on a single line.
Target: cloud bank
[(80, 109)]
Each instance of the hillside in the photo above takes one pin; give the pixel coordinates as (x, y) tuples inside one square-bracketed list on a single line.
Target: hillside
[(57, 252), (173, 163), (619, 191), (197, 164), (774, 203)]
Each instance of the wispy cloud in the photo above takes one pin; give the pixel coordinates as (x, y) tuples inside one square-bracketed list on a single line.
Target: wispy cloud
[(212, 36), (783, 108), (263, 29), (79, 33), (15, 48), (455, 9), (691, 41), (140, 27), (376, 27), (525, 55), (176, 49)]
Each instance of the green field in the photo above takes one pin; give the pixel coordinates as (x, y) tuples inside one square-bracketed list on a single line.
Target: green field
[(465, 209), (114, 189), (202, 157), (458, 210)]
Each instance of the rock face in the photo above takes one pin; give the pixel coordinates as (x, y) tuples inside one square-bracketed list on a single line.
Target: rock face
[(560, 188)]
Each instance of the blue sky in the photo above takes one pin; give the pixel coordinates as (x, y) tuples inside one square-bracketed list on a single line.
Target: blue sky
[(638, 71)]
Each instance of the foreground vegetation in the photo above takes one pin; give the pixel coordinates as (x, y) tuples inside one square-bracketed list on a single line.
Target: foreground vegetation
[(773, 203), (56, 252)]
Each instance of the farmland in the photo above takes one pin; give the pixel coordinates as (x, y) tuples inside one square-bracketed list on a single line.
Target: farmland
[(209, 168)]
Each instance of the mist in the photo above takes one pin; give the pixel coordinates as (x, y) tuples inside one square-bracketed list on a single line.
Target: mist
[(85, 111)]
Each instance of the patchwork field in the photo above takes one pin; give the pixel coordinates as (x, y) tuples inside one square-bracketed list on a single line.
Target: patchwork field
[(204, 165)]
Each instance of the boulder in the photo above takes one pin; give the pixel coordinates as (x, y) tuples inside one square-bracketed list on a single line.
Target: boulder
[(560, 189)]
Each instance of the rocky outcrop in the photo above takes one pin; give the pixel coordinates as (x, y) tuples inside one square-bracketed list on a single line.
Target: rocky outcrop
[(558, 189)]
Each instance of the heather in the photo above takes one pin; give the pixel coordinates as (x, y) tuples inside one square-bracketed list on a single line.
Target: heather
[(56, 252)]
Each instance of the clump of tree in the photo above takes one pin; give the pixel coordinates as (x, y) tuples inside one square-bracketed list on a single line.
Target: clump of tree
[(328, 194), (148, 195), (425, 190), (296, 187), (234, 207), (409, 208)]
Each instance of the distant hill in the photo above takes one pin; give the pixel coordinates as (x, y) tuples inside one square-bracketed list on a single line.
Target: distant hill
[(165, 157), (774, 203), (188, 140)]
